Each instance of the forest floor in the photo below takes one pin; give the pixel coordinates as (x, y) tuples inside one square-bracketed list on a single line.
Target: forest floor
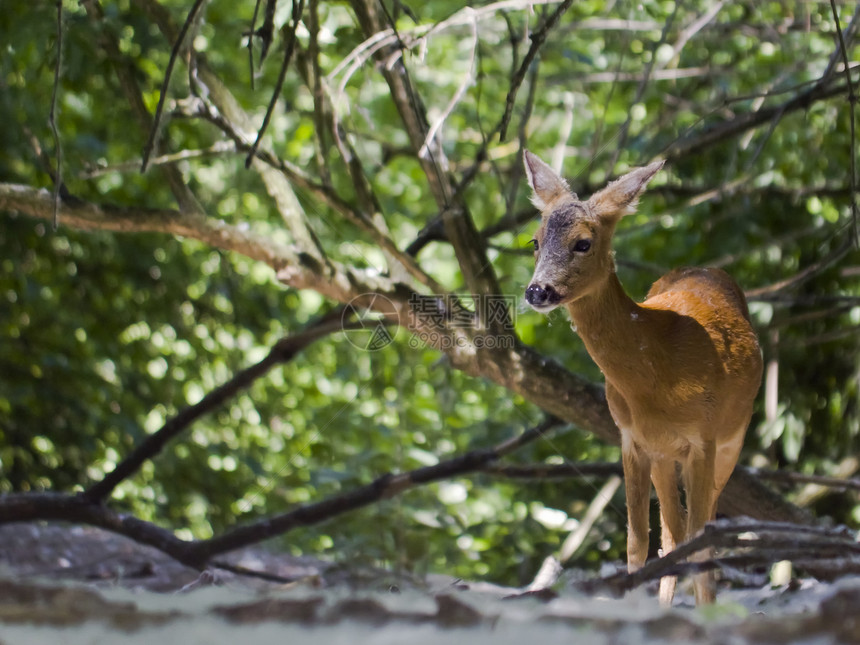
[(74, 585)]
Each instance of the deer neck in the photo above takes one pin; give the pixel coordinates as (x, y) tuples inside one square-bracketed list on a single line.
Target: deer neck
[(614, 329)]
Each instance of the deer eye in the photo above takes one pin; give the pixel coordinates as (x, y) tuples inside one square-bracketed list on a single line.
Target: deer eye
[(534, 243), (581, 246)]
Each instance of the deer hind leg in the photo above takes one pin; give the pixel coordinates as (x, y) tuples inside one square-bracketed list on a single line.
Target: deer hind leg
[(637, 486), (673, 519), (699, 482)]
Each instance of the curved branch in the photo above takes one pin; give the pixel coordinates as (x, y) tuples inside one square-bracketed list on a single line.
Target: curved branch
[(478, 272), (127, 75), (382, 487), (294, 266), (538, 38), (282, 352), (768, 542), (31, 507), (159, 110), (723, 131), (18, 507), (279, 83)]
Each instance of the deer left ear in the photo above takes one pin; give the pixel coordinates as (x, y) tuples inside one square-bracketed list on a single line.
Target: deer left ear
[(621, 196), (546, 184)]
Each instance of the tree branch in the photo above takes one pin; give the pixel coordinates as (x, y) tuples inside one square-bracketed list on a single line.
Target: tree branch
[(766, 543), (84, 509), (282, 352), (279, 83), (538, 38), (729, 129), (478, 272), (293, 266), (52, 118), (159, 110), (127, 75)]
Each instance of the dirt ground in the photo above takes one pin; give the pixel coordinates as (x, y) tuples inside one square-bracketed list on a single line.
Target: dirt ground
[(63, 584)]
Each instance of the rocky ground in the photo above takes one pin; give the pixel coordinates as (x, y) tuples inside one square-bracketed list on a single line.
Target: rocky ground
[(61, 584)]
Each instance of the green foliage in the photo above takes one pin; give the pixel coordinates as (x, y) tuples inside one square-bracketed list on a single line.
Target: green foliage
[(103, 337)]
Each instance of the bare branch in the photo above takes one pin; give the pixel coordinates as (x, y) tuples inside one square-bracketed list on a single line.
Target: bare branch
[(852, 102), (156, 122), (381, 488), (282, 352), (278, 176), (538, 38), (697, 25), (215, 149), (744, 122), (469, 248), (29, 507), (87, 509), (808, 272), (847, 483), (765, 542), (317, 86), (640, 91), (298, 9), (294, 266), (570, 470), (52, 118), (576, 538), (127, 75), (468, 80), (251, 34)]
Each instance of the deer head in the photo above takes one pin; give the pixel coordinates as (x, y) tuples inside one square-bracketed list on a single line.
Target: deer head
[(573, 245)]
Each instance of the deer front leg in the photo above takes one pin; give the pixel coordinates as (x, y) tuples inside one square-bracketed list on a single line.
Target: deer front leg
[(699, 481), (673, 521), (637, 486)]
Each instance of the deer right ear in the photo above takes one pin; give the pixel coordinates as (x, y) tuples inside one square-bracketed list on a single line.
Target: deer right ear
[(621, 196), (546, 184)]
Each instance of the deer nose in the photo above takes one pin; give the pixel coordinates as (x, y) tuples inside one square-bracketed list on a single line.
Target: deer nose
[(538, 296)]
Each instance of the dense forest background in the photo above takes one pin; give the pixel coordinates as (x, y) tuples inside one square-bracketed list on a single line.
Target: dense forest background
[(281, 249)]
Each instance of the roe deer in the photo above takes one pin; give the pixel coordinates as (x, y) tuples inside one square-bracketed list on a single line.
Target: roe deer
[(682, 368)]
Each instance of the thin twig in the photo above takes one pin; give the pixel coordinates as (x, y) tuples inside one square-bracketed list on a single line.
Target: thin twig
[(640, 91), (283, 351), (576, 538), (768, 541), (720, 133), (52, 118), (381, 488), (852, 101), (251, 34), (267, 31), (538, 39), (461, 90), (801, 478), (24, 507), (174, 54), (217, 148), (762, 293), (282, 75), (317, 89)]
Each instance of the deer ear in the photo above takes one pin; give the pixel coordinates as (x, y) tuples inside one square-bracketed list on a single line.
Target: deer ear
[(621, 196), (545, 182)]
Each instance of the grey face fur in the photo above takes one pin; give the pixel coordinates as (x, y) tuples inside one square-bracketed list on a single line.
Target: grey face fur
[(573, 252)]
